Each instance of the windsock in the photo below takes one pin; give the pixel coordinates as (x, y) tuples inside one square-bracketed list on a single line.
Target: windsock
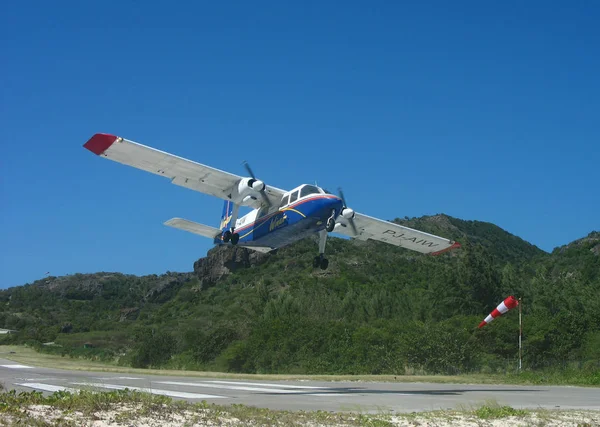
[(509, 303)]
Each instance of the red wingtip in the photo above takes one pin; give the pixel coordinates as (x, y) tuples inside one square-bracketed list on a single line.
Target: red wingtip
[(454, 246), (482, 324), (100, 142)]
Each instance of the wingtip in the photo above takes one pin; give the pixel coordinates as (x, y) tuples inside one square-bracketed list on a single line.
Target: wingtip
[(172, 221), (455, 245), (100, 142)]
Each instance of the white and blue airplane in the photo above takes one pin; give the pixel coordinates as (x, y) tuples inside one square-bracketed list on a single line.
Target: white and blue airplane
[(277, 217)]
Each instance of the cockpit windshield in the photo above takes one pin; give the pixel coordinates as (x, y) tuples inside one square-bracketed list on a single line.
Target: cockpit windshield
[(309, 189), (298, 193)]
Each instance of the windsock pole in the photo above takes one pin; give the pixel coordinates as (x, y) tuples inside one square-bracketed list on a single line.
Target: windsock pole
[(520, 335)]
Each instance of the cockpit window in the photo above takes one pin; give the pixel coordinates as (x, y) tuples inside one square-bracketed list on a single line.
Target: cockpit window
[(309, 189), (293, 197), (284, 200)]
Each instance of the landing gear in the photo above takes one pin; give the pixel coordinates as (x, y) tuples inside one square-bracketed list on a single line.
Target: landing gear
[(330, 222), (330, 225), (321, 261), (229, 236)]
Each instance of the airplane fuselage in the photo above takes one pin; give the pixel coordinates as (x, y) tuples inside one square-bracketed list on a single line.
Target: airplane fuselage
[(288, 223)]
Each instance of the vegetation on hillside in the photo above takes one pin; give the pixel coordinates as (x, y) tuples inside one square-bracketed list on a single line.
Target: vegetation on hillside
[(378, 309)]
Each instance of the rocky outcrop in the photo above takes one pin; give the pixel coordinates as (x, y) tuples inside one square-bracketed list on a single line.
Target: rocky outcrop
[(591, 241), (223, 260), (167, 287)]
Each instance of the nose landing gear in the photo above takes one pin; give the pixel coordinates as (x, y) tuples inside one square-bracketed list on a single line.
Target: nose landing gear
[(330, 222)]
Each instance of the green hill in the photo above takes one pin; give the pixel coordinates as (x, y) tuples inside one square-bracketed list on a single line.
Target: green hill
[(501, 244), (377, 309)]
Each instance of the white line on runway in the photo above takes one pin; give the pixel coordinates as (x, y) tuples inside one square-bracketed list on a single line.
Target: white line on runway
[(332, 394), (268, 385), (171, 393), (117, 378), (229, 387), (47, 387), (17, 366), (211, 384)]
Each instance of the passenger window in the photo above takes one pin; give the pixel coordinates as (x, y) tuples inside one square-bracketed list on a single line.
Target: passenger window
[(293, 197)]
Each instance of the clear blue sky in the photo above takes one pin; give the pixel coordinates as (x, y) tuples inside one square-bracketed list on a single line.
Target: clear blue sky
[(481, 110)]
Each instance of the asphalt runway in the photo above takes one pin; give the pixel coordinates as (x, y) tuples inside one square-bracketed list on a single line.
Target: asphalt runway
[(305, 395)]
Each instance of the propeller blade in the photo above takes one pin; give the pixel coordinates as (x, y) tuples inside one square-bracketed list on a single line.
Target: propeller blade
[(342, 196), (245, 163), (351, 220), (262, 193), (354, 230)]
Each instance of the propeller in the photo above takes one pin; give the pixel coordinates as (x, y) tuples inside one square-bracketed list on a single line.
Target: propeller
[(262, 193), (350, 220)]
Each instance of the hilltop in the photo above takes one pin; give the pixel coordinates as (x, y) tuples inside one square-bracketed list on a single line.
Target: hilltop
[(377, 309), (502, 244)]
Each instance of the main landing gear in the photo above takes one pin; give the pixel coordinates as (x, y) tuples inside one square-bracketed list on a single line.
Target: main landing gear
[(230, 235), (320, 260), (233, 237)]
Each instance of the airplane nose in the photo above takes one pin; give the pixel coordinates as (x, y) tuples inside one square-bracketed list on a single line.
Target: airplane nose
[(335, 204)]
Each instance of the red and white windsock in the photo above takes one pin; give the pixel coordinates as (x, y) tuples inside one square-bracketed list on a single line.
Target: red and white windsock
[(509, 303)]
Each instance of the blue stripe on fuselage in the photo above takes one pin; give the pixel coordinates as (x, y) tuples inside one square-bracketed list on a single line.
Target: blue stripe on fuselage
[(290, 223)]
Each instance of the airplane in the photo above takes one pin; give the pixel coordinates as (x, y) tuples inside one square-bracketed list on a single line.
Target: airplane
[(277, 217)]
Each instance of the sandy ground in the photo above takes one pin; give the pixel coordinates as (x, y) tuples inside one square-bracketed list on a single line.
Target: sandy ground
[(131, 415)]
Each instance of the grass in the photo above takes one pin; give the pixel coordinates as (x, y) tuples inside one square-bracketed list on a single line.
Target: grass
[(492, 410), (28, 356), (124, 406)]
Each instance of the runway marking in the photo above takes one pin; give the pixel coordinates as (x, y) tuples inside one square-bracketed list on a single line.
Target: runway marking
[(171, 393), (332, 394), (229, 387), (47, 387), (117, 378), (211, 384), (17, 366), (268, 385)]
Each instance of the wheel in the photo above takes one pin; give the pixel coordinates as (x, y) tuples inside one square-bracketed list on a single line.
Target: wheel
[(227, 236), (316, 261), (330, 225), (235, 238), (324, 264)]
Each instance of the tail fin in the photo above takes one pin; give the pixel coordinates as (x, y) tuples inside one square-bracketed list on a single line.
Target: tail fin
[(226, 215)]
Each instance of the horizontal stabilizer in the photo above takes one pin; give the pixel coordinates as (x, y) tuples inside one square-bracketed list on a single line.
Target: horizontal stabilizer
[(194, 227)]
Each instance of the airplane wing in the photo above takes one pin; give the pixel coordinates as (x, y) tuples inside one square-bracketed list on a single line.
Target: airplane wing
[(180, 171), (372, 228)]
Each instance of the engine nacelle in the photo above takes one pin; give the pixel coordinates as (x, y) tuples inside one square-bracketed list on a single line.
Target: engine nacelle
[(250, 187), (347, 213)]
